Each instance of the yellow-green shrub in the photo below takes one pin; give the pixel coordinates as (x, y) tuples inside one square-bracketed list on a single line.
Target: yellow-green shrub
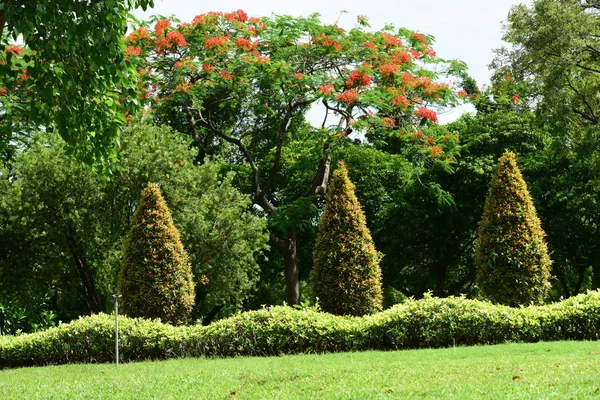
[(156, 276), (511, 256), (346, 276), (427, 323)]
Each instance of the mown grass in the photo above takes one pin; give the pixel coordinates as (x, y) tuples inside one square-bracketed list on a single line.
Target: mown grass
[(560, 370)]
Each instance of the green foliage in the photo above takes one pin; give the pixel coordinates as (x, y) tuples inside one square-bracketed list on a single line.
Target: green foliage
[(222, 237), (73, 74), (156, 277), (430, 322), (512, 259), (241, 87), (346, 276), (48, 200)]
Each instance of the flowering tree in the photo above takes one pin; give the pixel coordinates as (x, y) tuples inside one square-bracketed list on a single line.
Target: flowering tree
[(246, 84)]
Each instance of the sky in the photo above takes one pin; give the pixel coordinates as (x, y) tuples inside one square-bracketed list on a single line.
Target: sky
[(468, 30)]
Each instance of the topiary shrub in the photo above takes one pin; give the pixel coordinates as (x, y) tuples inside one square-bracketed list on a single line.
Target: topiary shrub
[(346, 276), (156, 277), (511, 256)]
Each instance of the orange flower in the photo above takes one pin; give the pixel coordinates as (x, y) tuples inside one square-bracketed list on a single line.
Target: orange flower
[(391, 40), (243, 43), (216, 41), (400, 100), (161, 26), (176, 38), (16, 50), (423, 112), (348, 96), (420, 37), (327, 89)]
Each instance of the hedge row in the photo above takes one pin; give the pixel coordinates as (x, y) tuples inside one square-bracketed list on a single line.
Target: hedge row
[(431, 322)]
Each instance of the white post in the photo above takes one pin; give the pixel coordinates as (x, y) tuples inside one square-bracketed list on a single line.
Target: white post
[(116, 296)]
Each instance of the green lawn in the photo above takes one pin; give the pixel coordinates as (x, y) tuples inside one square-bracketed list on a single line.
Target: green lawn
[(560, 370)]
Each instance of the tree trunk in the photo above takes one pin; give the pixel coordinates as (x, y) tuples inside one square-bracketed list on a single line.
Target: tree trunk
[(287, 248), (3, 17), (440, 278), (563, 281), (211, 315), (90, 293), (292, 279)]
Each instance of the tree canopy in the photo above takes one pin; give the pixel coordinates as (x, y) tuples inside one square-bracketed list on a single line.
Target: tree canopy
[(71, 73)]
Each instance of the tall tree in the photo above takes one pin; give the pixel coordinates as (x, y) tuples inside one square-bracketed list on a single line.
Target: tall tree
[(242, 86), (72, 73), (156, 276), (555, 49), (346, 276), (512, 259)]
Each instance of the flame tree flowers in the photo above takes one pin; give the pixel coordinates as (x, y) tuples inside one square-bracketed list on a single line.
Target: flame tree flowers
[(241, 86)]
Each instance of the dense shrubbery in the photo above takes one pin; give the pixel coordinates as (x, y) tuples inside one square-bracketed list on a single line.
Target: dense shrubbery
[(431, 322)]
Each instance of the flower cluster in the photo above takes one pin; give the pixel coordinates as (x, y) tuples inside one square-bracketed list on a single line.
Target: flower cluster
[(390, 40), (420, 37), (239, 15), (161, 26), (327, 89), (400, 101), (436, 151), (426, 113), (176, 38), (132, 51), (400, 57), (216, 41), (15, 50), (243, 43), (462, 93), (348, 96), (358, 78), (137, 35), (370, 45), (388, 70)]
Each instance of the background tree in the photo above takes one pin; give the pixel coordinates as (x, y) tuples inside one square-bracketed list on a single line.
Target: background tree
[(242, 86), (346, 276), (156, 277), (222, 237), (512, 260), (552, 55), (48, 200), (71, 74)]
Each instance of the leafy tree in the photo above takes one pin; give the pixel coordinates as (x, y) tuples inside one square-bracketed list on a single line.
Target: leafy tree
[(224, 240), (156, 276), (552, 55), (512, 260), (47, 197), (555, 49), (242, 86), (346, 276), (71, 74), (51, 232)]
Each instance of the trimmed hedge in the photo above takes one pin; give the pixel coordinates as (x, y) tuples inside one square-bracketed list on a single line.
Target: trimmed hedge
[(431, 322)]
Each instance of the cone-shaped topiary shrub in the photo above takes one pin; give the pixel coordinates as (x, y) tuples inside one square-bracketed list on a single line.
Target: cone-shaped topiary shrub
[(156, 277), (511, 256), (346, 276)]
